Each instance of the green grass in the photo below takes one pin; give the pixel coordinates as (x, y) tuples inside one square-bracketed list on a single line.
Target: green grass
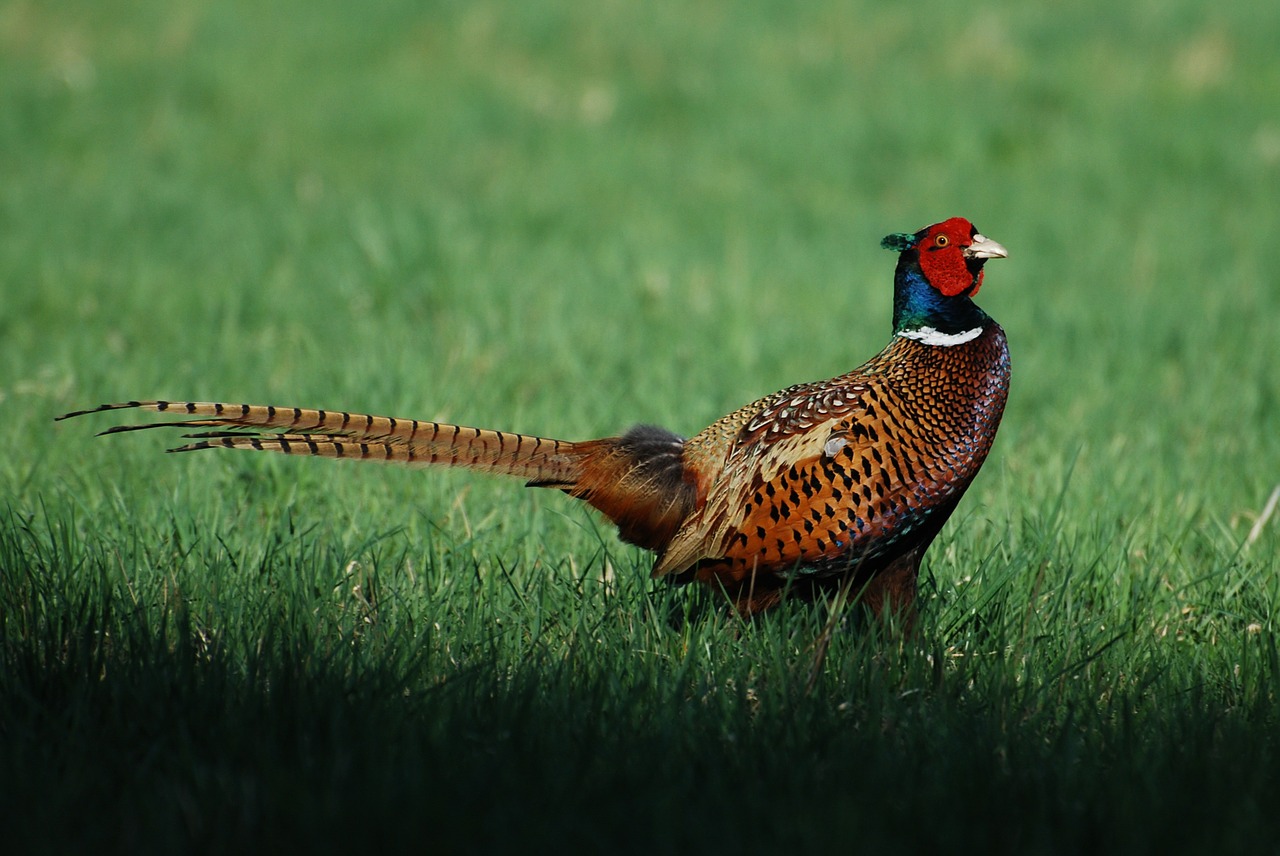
[(564, 218)]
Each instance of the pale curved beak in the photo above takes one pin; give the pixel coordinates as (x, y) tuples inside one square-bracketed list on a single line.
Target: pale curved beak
[(983, 247)]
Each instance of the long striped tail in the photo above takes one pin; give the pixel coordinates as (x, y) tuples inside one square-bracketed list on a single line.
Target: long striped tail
[(637, 480), (358, 436)]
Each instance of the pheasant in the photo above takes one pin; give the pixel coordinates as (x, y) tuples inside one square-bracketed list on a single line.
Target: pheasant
[(837, 483)]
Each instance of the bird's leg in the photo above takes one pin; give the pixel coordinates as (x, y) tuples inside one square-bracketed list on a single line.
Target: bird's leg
[(891, 592)]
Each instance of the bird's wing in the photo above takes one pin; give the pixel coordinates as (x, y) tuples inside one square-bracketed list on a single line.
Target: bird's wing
[(806, 466)]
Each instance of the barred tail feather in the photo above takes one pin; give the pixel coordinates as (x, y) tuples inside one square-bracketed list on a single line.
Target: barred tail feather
[(359, 436), (637, 480)]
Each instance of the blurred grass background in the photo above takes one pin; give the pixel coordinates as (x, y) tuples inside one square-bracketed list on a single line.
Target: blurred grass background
[(563, 218)]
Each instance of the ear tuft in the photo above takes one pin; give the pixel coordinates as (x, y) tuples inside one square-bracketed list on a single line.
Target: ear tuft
[(898, 241)]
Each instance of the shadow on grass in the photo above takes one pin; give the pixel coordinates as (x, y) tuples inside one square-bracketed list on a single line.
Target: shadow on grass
[(165, 722)]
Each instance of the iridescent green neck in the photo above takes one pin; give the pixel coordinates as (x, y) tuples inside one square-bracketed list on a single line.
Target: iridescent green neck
[(919, 306)]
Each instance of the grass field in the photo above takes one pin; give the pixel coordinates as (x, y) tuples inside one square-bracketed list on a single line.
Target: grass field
[(563, 218)]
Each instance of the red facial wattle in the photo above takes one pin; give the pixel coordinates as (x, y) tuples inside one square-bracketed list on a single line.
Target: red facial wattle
[(943, 261)]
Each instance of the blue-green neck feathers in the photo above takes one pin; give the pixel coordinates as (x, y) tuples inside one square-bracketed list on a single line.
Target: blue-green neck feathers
[(917, 304)]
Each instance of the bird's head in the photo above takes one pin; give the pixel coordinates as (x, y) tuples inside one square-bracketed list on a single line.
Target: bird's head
[(950, 255)]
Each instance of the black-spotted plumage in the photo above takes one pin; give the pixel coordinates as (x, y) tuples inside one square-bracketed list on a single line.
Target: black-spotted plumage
[(844, 481)]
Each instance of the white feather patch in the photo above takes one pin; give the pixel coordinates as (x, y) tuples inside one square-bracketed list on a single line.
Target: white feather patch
[(834, 444), (930, 336)]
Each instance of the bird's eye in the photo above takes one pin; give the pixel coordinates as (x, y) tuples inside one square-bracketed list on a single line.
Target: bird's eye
[(941, 241)]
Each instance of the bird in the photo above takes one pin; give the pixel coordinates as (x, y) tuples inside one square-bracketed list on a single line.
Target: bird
[(838, 485)]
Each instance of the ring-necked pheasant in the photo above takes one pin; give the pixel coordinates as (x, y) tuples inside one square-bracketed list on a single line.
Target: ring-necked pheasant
[(842, 481)]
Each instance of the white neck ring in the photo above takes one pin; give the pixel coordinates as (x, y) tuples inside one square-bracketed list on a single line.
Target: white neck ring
[(930, 336)]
